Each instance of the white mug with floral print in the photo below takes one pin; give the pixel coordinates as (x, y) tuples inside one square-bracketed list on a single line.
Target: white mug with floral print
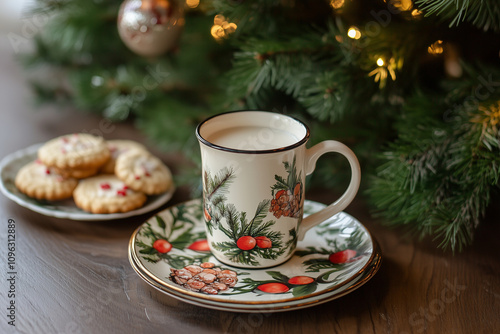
[(254, 165)]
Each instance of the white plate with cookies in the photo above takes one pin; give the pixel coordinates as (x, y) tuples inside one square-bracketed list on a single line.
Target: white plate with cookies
[(70, 177)]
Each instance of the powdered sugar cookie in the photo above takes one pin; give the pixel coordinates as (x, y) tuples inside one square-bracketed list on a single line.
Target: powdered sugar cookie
[(41, 182), (144, 172), (75, 151), (106, 194), (117, 147)]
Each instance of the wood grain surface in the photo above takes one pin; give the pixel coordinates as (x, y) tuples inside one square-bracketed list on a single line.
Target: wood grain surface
[(74, 277)]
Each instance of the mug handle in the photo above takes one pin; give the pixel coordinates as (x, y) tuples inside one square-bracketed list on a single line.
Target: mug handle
[(340, 204)]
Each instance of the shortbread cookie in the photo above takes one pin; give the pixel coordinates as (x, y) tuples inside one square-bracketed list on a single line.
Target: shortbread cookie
[(74, 151), (106, 194), (144, 172), (44, 183), (117, 147), (77, 173)]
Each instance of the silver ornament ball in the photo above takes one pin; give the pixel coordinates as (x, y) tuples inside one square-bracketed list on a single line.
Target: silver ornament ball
[(150, 27)]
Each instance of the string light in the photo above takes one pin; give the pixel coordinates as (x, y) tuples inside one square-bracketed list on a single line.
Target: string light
[(402, 5), (488, 118), (337, 4), (416, 13), (192, 3), (385, 70), (354, 33), (436, 48), (222, 28)]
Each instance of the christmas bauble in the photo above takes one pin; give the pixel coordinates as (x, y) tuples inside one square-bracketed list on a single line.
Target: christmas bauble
[(150, 27)]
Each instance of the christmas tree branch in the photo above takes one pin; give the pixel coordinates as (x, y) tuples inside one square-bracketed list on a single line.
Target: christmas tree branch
[(484, 14)]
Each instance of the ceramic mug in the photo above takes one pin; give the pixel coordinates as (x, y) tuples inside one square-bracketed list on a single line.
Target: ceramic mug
[(254, 165)]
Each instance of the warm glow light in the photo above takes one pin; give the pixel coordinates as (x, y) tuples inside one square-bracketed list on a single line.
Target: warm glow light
[(402, 5), (192, 3), (219, 19), (217, 32), (222, 28), (385, 70), (416, 13), (336, 4), (229, 28), (436, 48), (354, 33)]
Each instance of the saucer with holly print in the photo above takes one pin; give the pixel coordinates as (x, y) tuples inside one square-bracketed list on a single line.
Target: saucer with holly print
[(170, 252)]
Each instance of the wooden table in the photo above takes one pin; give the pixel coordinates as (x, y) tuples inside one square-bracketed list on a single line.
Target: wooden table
[(74, 277)]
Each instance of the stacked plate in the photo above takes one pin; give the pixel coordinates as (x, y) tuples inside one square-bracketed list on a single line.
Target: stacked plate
[(335, 258)]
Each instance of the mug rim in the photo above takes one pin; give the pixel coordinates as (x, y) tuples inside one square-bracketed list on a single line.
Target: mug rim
[(204, 141)]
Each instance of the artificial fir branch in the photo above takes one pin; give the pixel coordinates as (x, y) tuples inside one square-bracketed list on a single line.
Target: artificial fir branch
[(484, 14), (441, 158), (438, 176)]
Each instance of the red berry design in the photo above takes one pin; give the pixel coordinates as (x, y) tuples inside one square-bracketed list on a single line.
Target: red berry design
[(342, 256), (47, 171), (263, 242), (121, 192), (300, 280), (207, 215), (246, 242), (137, 177), (105, 186), (162, 246), (273, 288), (200, 246)]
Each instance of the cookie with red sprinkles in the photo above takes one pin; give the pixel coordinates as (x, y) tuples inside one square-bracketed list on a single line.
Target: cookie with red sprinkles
[(75, 151), (107, 194), (44, 183), (142, 171)]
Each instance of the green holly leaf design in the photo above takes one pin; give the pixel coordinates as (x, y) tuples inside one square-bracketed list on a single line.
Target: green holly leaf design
[(303, 290), (316, 265), (148, 250), (161, 222), (176, 262), (185, 239), (278, 276), (312, 250), (324, 278)]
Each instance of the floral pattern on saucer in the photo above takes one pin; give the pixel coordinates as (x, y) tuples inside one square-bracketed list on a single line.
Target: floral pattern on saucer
[(331, 255)]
